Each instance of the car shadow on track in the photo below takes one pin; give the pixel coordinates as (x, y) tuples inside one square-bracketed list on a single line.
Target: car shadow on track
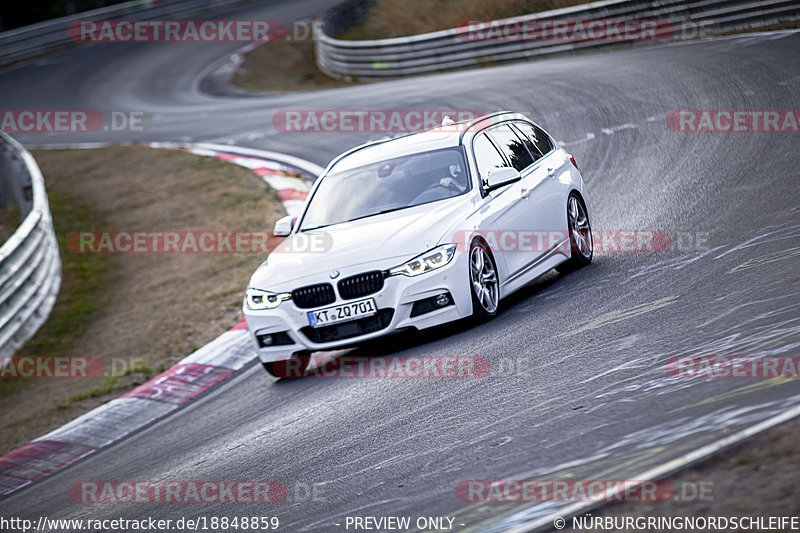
[(345, 362)]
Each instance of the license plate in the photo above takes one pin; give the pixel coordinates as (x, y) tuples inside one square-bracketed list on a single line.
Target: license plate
[(342, 313)]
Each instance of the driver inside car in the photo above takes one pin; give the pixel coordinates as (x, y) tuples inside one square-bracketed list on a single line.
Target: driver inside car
[(457, 180), (452, 178)]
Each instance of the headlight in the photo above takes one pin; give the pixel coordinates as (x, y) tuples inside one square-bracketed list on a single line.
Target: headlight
[(256, 299), (431, 260)]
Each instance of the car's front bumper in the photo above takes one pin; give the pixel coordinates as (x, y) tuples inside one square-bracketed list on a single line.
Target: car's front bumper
[(398, 294)]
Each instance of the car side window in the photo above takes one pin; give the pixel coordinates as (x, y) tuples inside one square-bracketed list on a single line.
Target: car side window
[(512, 147), (538, 136), (486, 156), (532, 148)]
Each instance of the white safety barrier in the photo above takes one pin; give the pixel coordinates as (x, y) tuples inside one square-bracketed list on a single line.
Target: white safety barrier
[(30, 267), (462, 47)]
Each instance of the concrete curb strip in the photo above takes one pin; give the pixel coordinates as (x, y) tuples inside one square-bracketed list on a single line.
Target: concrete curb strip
[(197, 373)]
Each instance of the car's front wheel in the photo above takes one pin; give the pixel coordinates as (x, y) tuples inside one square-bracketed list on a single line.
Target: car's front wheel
[(484, 281), (580, 235), (290, 368)]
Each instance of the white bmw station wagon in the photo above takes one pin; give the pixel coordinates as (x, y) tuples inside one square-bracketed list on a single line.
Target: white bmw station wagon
[(421, 230)]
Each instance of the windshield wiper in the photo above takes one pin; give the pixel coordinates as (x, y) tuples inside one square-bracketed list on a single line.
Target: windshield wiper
[(357, 218), (320, 227), (378, 213)]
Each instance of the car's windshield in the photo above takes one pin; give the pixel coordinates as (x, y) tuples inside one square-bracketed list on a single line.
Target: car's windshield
[(387, 185)]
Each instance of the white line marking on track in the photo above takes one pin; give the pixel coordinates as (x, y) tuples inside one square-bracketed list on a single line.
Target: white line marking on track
[(613, 129), (589, 136)]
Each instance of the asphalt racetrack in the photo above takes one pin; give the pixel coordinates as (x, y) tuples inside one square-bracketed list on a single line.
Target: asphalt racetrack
[(579, 385)]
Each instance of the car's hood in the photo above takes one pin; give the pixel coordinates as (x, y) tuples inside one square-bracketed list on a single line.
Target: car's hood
[(380, 241)]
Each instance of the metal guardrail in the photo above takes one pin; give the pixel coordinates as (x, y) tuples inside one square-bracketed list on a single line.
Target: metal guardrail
[(30, 266), (29, 41), (454, 48)]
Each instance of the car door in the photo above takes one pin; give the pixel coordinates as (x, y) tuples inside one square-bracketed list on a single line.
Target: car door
[(488, 157), (548, 189), (521, 214)]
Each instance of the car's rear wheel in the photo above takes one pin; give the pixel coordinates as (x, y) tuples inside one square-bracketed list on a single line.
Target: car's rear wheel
[(580, 235), (290, 368), (483, 281)]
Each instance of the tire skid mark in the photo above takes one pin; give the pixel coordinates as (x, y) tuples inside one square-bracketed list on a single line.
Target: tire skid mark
[(760, 261), (612, 317)]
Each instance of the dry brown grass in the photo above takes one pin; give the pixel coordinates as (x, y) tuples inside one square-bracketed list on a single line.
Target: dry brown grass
[(282, 66), (9, 221), (291, 66), (788, 24), (155, 307), (398, 18)]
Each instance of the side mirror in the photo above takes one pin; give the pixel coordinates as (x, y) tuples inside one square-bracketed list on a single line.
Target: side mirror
[(501, 176), (283, 226)]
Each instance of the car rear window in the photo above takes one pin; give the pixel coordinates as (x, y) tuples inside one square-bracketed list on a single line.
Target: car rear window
[(537, 136), (512, 147)]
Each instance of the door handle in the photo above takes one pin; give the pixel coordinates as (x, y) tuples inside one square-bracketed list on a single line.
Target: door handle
[(525, 193), (551, 172)]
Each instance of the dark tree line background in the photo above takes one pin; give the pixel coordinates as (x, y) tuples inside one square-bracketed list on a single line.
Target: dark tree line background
[(16, 13)]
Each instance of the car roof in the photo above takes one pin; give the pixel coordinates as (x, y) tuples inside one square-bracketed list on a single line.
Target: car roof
[(374, 152), (423, 141)]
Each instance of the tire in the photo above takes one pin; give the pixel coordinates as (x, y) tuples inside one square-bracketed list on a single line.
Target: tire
[(288, 369), (580, 235), (483, 282)]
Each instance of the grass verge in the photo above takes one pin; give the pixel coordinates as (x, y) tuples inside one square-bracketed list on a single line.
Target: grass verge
[(283, 66), (777, 26), (83, 278), (400, 18), (291, 65), (138, 313), (9, 222)]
